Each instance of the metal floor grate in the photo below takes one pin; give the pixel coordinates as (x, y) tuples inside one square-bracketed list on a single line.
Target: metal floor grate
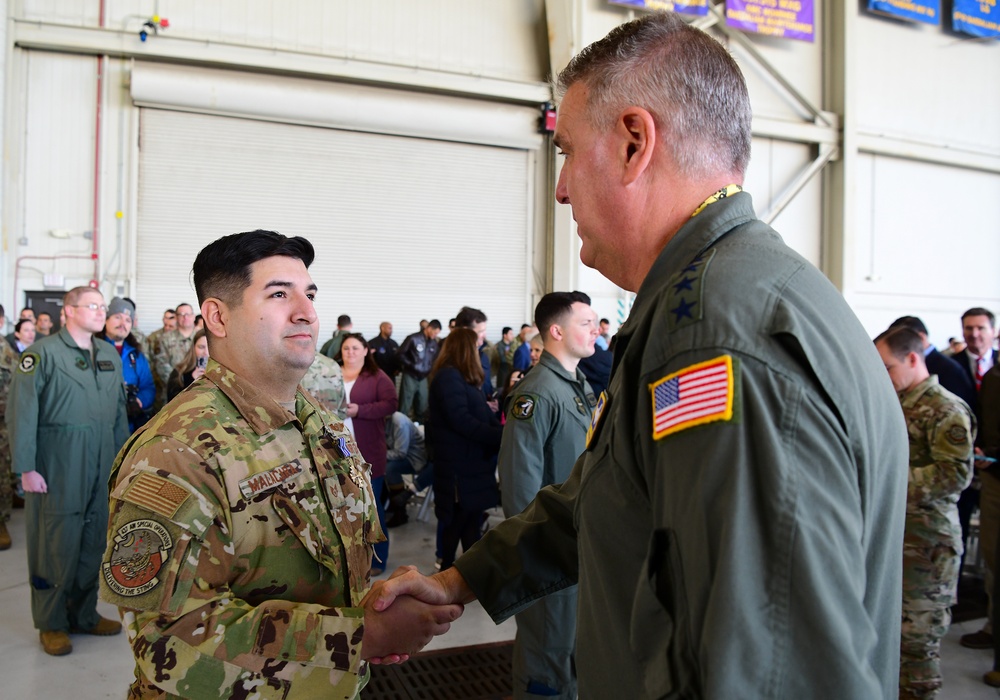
[(480, 672)]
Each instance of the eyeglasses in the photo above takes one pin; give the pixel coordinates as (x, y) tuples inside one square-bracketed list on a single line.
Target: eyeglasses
[(92, 306), (189, 313)]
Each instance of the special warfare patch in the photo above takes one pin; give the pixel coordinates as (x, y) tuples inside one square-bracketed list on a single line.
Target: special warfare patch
[(524, 407), (140, 552), (28, 364)]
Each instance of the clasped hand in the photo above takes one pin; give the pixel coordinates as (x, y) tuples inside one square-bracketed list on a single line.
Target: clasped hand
[(403, 613)]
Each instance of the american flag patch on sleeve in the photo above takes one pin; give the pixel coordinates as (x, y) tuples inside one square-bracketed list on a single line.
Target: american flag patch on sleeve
[(701, 393)]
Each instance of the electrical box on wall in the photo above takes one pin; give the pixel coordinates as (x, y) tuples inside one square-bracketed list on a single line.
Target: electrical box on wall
[(54, 281)]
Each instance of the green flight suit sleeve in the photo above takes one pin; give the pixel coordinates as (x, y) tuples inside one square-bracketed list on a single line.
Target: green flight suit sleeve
[(950, 441), (190, 634), (522, 451), (753, 581), (22, 409)]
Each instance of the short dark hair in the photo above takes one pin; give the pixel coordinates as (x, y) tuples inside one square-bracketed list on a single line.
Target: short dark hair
[(370, 366), (222, 268), (39, 314), (525, 325), (980, 311), (435, 324), (183, 303), (505, 331), (21, 322), (901, 341), (468, 317), (604, 320), (343, 320), (911, 322), (171, 311), (2, 314), (554, 307)]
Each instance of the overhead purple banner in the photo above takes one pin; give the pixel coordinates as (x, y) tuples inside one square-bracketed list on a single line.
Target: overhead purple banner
[(689, 7), (789, 19), (927, 11), (976, 17)]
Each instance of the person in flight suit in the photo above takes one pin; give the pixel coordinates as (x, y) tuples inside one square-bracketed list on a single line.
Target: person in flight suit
[(546, 430), (242, 516), (736, 522), (67, 419)]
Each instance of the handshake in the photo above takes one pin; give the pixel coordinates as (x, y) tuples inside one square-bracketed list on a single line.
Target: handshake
[(404, 613)]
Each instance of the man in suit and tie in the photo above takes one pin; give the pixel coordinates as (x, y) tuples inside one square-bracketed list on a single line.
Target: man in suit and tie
[(979, 330)]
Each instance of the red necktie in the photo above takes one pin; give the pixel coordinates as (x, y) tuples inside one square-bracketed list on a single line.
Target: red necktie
[(980, 361)]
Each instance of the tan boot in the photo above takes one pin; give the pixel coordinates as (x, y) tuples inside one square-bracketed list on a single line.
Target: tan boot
[(55, 642), (4, 536), (103, 628)]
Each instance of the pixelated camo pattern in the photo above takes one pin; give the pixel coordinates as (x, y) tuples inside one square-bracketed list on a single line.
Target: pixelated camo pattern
[(233, 595)]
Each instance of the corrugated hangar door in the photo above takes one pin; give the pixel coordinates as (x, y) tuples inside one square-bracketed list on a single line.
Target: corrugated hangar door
[(404, 228)]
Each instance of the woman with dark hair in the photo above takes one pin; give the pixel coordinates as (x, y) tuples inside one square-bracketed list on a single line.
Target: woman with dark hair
[(191, 366), (464, 437), (371, 399)]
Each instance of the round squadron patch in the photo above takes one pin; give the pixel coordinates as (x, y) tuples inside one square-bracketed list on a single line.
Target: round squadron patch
[(957, 435), (140, 552), (28, 364), (524, 407), (81, 363)]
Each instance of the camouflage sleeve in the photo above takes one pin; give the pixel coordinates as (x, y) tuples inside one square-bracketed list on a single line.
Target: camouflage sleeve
[(950, 471), (161, 362), (169, 566)]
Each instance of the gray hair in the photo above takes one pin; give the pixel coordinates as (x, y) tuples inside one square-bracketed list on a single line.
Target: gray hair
[(683, 77)]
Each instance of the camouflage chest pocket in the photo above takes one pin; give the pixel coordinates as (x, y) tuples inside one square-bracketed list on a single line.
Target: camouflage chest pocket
[(352, 507), (154, 545)]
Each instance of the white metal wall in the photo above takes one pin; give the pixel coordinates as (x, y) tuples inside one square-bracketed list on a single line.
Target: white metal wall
[(389, 216)]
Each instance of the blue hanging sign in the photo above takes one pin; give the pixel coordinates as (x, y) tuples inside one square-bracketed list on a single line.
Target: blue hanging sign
[(789, 19), (927, 11), (688, 7), (976, 17)]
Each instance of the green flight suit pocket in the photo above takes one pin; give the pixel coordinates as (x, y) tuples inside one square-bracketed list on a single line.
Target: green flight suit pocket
[(657, 630)]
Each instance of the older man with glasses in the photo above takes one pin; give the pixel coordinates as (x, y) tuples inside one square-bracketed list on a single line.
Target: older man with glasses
[(173, 345), (67, 421)]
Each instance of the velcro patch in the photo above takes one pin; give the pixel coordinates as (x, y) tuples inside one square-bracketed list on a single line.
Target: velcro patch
[(524, 407), (595, 417), (695, 395), (156, 493), (105, 365), (261, 482), (141, 550), (957, 435), (29, 363)]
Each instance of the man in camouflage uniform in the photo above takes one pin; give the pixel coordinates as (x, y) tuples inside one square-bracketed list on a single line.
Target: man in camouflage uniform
[(546, 430), (242, 516), (173, 345), (8, 363), (152, 349), (325, 381), (942, 431)]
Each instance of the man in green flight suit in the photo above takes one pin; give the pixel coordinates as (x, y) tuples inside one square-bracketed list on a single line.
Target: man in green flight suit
[(67, 420), (547, 418), (736, 522), (242, 516)]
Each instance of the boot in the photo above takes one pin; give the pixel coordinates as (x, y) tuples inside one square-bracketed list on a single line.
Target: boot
[(103, 628), (55, 642)]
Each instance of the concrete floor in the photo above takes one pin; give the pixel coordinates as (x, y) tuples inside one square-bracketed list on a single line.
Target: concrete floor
[(101, 667)]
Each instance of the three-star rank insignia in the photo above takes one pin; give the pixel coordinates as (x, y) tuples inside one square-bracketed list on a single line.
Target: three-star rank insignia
[(684, 295)]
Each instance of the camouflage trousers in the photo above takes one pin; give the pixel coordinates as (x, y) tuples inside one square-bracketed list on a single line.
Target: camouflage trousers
[(930, 577), (6, 478)]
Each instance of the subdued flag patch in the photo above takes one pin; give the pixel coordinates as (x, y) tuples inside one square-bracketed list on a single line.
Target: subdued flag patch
[(156, 493), (699, 394)]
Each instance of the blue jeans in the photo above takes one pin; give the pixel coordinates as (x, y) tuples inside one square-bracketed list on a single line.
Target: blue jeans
[(395, 468)]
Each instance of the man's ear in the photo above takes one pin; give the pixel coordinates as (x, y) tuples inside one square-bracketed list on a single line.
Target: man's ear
[(216, 315), (637, 130)]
